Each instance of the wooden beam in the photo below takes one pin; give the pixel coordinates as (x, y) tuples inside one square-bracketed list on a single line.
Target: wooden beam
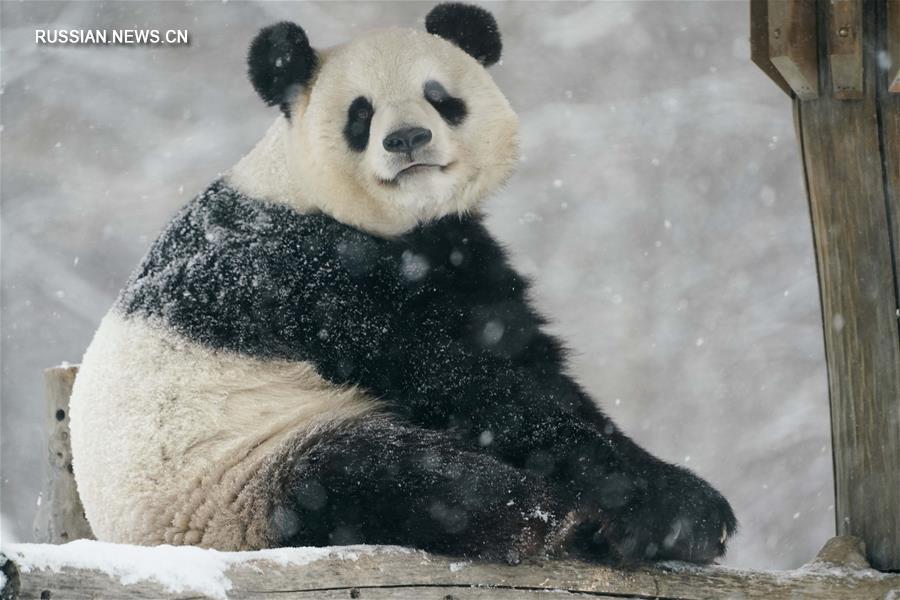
[(60, 516), (792, 44), (838, 573), (892, 57), (845, 51), (889, 119), (853, 205), (759, 43)]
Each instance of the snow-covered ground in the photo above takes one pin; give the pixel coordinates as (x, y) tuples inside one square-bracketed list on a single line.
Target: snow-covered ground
[(659, 208)]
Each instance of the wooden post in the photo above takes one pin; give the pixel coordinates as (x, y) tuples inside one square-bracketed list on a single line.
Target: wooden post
[(850, 145), (759, 43), (60, 517), (792, 48), (893, 46), (845, 53)]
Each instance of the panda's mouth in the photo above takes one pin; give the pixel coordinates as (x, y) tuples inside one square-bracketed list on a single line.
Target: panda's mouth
[(414, 169)]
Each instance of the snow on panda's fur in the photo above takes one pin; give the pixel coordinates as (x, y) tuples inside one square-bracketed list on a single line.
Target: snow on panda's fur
[(327, 346)]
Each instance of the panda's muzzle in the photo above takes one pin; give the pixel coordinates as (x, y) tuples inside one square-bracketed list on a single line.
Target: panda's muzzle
[(415, 167), (406, 140)]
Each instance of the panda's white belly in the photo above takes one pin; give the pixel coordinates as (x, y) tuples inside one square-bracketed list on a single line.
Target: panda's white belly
[(167, 435)]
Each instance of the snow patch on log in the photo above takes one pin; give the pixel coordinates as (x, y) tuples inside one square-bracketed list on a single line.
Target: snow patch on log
[(176, 568)]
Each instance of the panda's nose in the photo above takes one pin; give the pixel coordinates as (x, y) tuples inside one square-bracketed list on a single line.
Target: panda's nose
[(406, 140)]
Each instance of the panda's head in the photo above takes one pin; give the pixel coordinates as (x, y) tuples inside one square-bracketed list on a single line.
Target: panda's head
[(392, 129)]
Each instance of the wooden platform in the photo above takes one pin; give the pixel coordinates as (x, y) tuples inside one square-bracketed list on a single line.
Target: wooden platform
[(840, 572)]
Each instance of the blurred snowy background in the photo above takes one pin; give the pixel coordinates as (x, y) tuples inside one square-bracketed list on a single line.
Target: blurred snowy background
[(659, 207)]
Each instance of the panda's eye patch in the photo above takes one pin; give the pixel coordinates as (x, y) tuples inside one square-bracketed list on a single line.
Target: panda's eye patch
[(435, 92), (359, 118), (452, 109)]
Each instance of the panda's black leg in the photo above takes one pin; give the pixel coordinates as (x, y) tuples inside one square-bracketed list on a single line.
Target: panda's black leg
[(637, 506), (382, 482)]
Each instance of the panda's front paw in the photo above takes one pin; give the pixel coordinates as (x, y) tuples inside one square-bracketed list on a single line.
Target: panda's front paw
[(678, 516)]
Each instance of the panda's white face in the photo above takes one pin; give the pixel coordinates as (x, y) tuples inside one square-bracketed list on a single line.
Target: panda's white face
[(397, 128)]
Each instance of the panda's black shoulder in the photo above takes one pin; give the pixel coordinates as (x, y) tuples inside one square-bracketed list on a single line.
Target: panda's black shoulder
[(226, 261), (236, 273), (215, 220)]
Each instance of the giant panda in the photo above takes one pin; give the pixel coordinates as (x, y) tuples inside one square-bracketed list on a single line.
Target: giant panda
[(327, 346)]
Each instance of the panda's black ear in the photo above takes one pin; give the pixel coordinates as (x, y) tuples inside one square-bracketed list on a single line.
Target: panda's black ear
[(280, 62), (470, 27)]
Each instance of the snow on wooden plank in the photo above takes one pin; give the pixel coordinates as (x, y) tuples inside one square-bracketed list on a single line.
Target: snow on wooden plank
[(89, 569)]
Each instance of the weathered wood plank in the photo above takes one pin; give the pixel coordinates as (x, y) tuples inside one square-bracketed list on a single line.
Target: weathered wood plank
[(839, 573), (60, 517), (889, 128), (845, 52), (759, 43), (893, 45), (792, 44), (849, 197), (443, 593)]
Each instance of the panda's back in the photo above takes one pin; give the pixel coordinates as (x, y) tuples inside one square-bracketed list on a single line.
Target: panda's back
[(172, 432)]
